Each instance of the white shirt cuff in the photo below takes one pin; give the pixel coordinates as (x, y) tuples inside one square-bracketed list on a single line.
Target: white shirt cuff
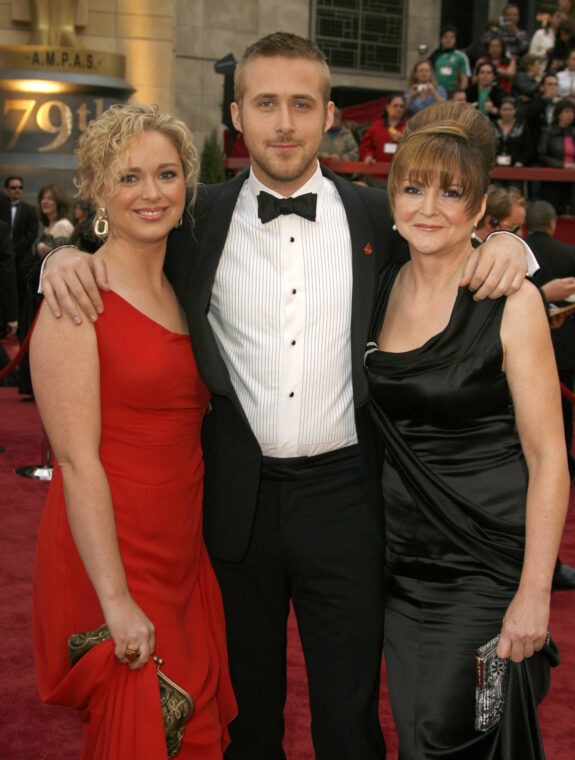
[(45, 259), (530, 260)]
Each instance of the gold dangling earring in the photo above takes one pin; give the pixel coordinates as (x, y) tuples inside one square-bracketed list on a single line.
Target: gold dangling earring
[(179, 224), (101, 226)]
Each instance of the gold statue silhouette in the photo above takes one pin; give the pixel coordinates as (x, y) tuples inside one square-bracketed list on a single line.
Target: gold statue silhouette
[(54, 23)]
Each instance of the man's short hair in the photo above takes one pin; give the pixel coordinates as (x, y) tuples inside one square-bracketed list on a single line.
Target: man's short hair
[(482, 64), (282, 45), (448, 28), (540, 214), (10, 179), (499, 203)]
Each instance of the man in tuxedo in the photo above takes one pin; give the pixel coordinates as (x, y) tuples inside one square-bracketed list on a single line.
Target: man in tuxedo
[(278, 277), (556, 278), (23, 221), (539, 111)]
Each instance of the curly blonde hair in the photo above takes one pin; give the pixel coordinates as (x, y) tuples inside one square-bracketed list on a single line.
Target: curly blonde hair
[(102, 149)]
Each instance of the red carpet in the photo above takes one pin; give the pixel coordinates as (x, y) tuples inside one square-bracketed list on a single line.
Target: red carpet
[(30, 730)]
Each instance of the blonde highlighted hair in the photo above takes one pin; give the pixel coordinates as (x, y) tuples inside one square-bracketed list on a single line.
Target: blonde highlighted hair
[(103, 148), (448, 143)]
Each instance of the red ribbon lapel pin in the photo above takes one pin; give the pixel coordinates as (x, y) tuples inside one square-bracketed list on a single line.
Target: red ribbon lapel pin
[(368, 250)]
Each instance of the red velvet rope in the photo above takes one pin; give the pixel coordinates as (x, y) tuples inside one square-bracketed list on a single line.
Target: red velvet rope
[(18, 358), (569, 395)]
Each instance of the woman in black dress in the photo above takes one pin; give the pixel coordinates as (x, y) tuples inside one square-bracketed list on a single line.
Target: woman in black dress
[(475, 480)]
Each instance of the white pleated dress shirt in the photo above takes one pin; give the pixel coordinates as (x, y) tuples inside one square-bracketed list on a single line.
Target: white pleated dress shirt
[(281, 314)]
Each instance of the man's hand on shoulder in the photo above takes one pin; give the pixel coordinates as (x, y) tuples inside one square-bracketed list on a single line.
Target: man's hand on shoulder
[(70, 282), (496, 268)]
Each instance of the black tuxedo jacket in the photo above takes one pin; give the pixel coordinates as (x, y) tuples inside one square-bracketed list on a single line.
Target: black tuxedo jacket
[(232, 454), (556, 259), (24, 232)]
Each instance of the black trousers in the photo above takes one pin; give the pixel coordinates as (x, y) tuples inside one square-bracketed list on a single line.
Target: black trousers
[(318, 541)]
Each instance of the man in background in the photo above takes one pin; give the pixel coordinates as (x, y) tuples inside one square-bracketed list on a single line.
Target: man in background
[(23, 221), (557, 269), (505, 210), (451, 66)]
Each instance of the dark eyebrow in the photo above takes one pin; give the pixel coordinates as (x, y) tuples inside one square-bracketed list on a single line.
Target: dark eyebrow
[(160, 166)]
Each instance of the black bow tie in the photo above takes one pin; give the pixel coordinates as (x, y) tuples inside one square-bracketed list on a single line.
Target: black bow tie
[(269, 207)]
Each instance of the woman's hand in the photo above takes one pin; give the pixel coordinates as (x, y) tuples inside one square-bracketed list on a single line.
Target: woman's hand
[(525, 625), (130, 629)]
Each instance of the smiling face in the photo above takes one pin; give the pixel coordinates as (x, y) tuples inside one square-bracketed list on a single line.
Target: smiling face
[(282, 116), (434, 220), (511, 15), (48, 205), (152, 191)]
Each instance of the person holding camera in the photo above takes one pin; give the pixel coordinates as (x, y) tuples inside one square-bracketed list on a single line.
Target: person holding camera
[(423, 90)]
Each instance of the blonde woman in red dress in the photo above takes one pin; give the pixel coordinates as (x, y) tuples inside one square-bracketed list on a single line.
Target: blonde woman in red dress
[(121, 536)]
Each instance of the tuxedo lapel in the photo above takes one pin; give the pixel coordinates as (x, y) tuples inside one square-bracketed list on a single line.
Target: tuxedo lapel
[(217, 204), (364, 272)]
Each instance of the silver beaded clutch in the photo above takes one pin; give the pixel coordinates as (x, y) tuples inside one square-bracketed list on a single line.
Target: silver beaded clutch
[(491, 683)]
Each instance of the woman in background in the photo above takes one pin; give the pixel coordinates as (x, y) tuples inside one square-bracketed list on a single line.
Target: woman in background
[(505, 65), (54, 212), (423, 90), (55, 229), (557, 149)]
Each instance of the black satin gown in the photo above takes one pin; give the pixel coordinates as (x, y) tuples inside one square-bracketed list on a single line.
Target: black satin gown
[(454, 483)]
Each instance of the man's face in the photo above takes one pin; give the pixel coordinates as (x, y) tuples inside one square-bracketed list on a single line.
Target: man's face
[(485, 77), (14, 190), (550, 88), (515, 221), (282, 116), (448, 40), (511, 15)]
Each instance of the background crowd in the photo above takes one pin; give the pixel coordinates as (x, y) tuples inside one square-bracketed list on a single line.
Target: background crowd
[(526, 86)]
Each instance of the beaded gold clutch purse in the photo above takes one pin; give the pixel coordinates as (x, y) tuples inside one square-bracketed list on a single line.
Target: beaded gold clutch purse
[(177, 704)]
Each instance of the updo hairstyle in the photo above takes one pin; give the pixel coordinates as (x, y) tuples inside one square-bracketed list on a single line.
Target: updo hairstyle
[(448, 143)]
